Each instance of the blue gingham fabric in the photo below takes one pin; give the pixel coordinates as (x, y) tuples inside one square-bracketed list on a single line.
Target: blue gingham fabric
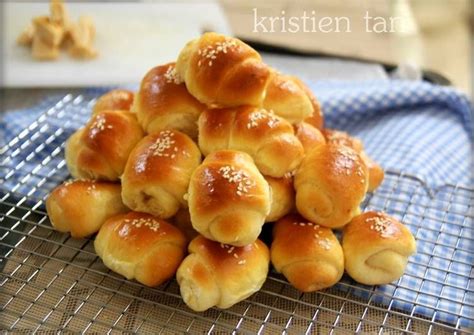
[(417, 128)]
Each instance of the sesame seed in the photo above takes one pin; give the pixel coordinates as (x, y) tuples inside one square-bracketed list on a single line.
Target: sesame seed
[(236, 256), (380, 225), (242, 262), (163, 144), (211, 52), (325, 243), (239, 177), (262, 114), (148, 222), (172, 76), (99, 123)]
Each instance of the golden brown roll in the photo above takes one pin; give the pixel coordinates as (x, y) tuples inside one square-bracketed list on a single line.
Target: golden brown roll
[(228, 198), (163, 102), (114, 100), (141, 247), (283, 197), (286, 98), (317, 118), (82, 206), (376, 248), (157, 173), (309, 136), (182, 220), (308, 255), (100, 150), (222, 71), (267, 138), (215, 274), (376, 173), (330, 185)]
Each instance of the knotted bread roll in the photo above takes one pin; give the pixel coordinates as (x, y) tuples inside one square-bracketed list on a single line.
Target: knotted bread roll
[(157, 173), (228, 198), (330, 184), (283, 197), (140, 246), (215, 274), (82, 206), (163, 102), (286, 98), (100, 150), (376, 173), (222, 71), (376, 248), (308, 255), (114, 100), (267, 138)]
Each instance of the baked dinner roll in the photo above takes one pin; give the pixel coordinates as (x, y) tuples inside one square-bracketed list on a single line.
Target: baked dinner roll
[(287, 99), (163, 102), (282, 195), (376, 248), (100, 150), (308, 255), (141, 247), (228, 198), (330, 184), (376, 173), (82, 206), (222, 71), (309, 136), (215, 274), (157, 173), (114, 100), (267, 138)]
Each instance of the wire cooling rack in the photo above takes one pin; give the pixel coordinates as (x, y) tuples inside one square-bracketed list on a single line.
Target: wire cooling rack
[(51, 282)]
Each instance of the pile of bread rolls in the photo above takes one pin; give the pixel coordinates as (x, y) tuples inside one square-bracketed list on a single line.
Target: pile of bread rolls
[(210, 149)]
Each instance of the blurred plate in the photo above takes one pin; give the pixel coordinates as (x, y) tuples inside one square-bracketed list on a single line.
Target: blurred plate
[(131, 38)]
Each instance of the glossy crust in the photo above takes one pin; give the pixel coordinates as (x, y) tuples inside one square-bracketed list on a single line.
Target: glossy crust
[(376, 173), (308, 255), (100, 150), (376, 247), (267, 138), (222, 71), (163, 102), (309, 136), (286, 98), (215, 274), (330, 185), (228, 198), (114, 100), (158, 171), (140, 246), (283, 197), (82, 206)]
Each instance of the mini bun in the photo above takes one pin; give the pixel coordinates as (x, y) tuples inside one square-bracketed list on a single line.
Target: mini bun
[(114, 100)]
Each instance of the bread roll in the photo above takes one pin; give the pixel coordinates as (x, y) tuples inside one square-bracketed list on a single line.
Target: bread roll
[(376, 173), (376, 248), (282, 195), (330, 185), (100, 150), (287, 99), (223, 71), (82, 206), (158, 171), (163, 102), (309, 136), (182, 220), (114, 100), (228, 198), (308, 255), (268, 138), (221, 275), (140, 246)]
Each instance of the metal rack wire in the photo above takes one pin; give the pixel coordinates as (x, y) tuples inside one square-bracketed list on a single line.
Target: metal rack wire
[(50, 281)]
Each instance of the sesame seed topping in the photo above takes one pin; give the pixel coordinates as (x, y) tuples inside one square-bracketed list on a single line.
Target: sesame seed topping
[(242, 262), (90, 188), (172, 76), (325, 243), (239, 177), (68, 182), (380, 225), (210, 52), (259, 115), (148, 222), (236, 256), (164, 143), (100, 123)]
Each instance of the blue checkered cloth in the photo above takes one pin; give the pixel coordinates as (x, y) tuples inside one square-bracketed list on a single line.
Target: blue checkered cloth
[(419, 129)]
